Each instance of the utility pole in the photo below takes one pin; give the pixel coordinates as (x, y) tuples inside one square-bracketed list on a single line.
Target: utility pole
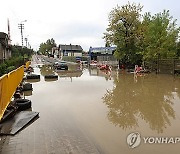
[(9, 39), (28, 45), (21, 27), (9, 36), (26, 39)]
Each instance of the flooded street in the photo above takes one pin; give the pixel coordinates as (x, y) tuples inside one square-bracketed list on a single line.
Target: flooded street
[(92, 111)]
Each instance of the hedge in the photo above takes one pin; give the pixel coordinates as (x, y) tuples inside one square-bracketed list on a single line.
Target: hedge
[(11, 64)]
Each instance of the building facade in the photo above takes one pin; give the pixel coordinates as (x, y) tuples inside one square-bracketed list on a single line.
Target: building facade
[(55, 52), (70, 50), (96, 52), (5, 52)]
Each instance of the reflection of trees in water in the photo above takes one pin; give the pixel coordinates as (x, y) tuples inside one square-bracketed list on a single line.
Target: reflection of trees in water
[(149, 99), (46, 70)]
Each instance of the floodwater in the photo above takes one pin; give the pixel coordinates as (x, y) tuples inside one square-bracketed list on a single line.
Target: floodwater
[(93, 111)]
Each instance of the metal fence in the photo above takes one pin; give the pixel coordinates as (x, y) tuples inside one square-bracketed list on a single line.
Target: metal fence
[(28, 64), (164, 66), (8, 84)]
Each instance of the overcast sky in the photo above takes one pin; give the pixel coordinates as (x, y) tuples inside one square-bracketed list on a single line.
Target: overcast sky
[(80, 22)]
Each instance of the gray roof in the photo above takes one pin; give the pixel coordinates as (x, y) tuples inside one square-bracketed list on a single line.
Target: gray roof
[(102, 50), (70, 47)]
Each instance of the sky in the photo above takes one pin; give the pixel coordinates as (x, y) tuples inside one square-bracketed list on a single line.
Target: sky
[(77, 22)]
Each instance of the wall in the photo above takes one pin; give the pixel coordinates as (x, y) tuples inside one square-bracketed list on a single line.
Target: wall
[(78, 54)]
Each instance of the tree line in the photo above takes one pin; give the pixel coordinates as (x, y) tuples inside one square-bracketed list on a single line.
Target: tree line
[(47, 46), (142, 37)]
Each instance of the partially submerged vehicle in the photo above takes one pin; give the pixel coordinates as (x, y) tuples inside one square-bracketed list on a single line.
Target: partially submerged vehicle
[(62, 65)]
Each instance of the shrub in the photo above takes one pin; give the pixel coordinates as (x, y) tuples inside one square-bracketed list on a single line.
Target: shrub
[(10, 68), (3, 69), (11, 64)]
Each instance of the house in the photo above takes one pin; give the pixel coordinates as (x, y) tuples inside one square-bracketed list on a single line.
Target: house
[(54, 52), (70, 50), (96, 52), (5, 52)]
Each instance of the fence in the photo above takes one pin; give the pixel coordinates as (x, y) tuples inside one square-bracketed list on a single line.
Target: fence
[(168, 66), (164, 66), (28, 64), (8, 84)]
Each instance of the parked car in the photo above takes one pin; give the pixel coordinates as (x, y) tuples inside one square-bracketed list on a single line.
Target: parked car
[(84, 62), (62, 66), (55, 64)]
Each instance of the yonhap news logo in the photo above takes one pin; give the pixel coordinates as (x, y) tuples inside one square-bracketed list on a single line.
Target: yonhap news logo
[(135, 139)]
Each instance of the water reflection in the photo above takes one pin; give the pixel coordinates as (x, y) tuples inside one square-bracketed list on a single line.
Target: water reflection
[(27, 93), (46, 70), (150, 98), (76, 73), (32, 80), (73, 71), (50, 80), (102, 73)]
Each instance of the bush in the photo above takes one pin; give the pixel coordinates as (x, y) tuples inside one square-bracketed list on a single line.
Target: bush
[(11, 64), (3, 69), (10, 68)]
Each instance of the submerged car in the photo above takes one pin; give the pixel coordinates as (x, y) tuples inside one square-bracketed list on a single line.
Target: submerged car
[(62, 66)]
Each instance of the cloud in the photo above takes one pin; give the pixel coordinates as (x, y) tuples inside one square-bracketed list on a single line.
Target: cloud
[(68, 21)]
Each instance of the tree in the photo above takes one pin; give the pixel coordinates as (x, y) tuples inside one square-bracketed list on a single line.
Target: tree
[(45, 48), (42, 48), (160, 36), (123, 31), (178, 49), (141, 38), (50, 43)]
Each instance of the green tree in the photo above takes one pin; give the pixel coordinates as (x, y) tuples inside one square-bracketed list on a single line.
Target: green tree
[(178, 50), (160, 34), (42, 48), (123, 31), (45, 48), (141, 38)]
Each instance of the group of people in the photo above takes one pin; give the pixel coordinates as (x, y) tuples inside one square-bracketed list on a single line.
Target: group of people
[(138, 69), (105, 67)]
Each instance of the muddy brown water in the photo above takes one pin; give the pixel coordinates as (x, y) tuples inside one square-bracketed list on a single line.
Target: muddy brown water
[(94, 111)]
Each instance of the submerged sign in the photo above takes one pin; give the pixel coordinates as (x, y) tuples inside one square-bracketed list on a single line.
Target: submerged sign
[(134, 139)]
